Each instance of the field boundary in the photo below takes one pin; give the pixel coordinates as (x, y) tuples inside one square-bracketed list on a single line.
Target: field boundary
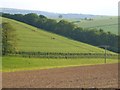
[(62, 55)]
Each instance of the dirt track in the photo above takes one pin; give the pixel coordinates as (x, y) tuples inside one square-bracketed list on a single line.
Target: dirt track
[(97, 76)]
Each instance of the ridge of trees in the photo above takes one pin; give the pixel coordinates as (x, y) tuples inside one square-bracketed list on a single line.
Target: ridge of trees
[(69, 30)]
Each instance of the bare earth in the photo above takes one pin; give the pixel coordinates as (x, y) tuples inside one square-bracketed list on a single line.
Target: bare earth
[(97, 76)]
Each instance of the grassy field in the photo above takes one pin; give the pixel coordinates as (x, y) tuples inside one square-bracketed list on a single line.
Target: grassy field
[(107, 23), (33, 39), (11, 64)]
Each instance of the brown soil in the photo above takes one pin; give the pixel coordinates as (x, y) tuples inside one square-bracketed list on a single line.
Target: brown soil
[(0, 80), (97, 76)]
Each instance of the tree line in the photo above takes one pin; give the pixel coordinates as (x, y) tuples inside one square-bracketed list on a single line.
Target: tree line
[(8, 39), (90, 36)]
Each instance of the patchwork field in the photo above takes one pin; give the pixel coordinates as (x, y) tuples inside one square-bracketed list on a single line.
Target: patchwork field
[(107, 23)]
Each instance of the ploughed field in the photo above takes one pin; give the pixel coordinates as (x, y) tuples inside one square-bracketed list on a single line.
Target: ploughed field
[(94, 76)]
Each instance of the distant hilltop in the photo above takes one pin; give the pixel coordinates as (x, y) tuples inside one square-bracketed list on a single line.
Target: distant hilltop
[(47, 14)]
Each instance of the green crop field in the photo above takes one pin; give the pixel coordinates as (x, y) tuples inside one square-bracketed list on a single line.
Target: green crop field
[(19, 63), (107, 23), (31, 39)]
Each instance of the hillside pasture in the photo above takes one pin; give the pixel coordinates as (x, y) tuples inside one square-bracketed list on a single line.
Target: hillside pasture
[(31, 39), (107, 23)]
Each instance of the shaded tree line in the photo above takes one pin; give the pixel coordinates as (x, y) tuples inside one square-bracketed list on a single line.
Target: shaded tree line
[(69, 30)]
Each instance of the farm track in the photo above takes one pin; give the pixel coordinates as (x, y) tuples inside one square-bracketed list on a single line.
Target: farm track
[(98, 76)]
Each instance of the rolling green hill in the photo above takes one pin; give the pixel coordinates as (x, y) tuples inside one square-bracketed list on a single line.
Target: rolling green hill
[(107, 23), (33, 39)]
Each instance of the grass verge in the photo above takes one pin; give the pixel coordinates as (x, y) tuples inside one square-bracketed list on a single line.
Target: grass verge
[(12, 64)]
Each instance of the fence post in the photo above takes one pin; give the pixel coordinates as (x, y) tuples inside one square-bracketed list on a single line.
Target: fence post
[(105, 54)]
